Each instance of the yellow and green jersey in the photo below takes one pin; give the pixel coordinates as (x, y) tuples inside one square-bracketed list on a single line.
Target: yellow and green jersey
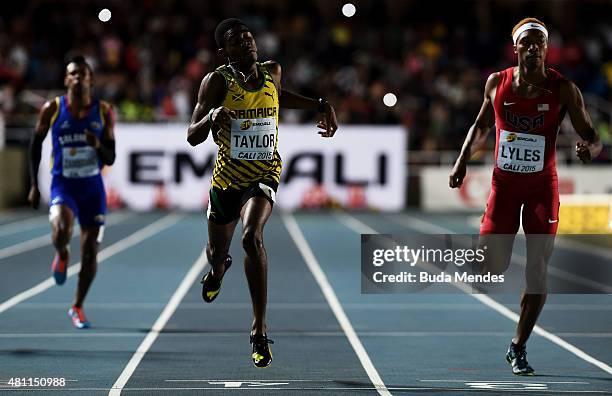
[(249, 151)]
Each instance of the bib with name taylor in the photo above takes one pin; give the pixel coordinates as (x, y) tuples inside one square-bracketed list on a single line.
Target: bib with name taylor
[(527, 128), (248, 152), (253, 139)]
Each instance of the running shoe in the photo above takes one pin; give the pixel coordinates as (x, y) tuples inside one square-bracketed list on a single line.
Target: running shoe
[(59, 268), (262, 354), (211, 286), (517, 357), (78, 318)]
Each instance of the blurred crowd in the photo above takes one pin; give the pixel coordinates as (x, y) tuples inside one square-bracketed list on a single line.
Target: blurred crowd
[(435, 56)]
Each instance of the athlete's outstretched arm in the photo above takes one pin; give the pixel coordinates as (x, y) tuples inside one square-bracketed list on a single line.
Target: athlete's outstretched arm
[(292, 100), (207, 110), (477, 134), (571, 98), (105, 147), (40, 132)]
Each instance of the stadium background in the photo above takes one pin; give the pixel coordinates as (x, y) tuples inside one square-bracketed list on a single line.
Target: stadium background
[(150, 57), (330, 336)]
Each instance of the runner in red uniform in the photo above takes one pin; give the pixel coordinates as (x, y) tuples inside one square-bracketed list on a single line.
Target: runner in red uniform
[(527, 104)]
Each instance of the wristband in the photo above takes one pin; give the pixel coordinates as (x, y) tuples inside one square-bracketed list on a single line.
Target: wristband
[(210, 113), (321, 105)]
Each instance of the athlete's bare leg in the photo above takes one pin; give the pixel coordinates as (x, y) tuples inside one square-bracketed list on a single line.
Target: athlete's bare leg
[(498, 252), (62, 220), (539, 250), (89, 262), (217, 248), (254, 215)]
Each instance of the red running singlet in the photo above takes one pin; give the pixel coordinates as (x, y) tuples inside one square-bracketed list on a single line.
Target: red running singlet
[(525, 173)]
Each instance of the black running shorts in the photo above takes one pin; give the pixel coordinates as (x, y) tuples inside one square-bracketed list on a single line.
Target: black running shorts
[(224, 205)]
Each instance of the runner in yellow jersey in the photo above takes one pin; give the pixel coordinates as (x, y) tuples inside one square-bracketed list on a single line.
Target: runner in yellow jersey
[(239, 103)]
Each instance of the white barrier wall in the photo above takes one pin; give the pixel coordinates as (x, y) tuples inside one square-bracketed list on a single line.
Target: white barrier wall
[(473, 194), (361, 166)]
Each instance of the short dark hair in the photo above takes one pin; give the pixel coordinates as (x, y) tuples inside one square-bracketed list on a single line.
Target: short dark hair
[(80, 60), (225, 26)]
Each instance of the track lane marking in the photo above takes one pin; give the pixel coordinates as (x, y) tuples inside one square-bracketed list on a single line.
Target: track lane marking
[(362, 228), (23, 225), (519, 259), (44, 240), (193, 273), (334, 303), (123, 244)]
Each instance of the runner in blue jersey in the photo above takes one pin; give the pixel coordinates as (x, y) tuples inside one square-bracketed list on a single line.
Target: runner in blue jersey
[(83, 142)]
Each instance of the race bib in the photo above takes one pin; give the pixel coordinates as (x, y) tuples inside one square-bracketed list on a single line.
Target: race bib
[(253, 139), (520, 152), (79, 162)]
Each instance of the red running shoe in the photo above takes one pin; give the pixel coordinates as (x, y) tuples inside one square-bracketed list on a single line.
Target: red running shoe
[(59, 269), (78, 318)]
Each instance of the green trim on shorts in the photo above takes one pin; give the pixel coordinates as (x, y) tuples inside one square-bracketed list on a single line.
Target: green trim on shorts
[(216, 203)]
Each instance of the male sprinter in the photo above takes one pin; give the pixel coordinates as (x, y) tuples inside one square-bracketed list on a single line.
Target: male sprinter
[(83, 142), (527, 104), (239, 102)]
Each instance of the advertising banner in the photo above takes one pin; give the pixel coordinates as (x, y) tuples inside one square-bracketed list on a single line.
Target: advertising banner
[(360, 167)]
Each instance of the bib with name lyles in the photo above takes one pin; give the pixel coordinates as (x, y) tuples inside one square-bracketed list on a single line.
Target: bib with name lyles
[(520, 152)]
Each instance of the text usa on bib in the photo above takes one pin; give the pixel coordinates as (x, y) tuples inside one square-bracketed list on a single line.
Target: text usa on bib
[(520, 152), (253, 139)]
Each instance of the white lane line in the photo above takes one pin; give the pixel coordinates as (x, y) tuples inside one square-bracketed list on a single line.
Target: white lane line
[(334, 303), (158, 326), (82, 334), (418, 224), (355, 224), (45, 240), (390, 306), (488, 301), (23, 225), (526, 380), (491, 303), (565, 275), (300, 306), (104, 254), (519, 259), (569, 244), (318, 389), (580, 247), (250, 380), (196, 333), (26, 246)]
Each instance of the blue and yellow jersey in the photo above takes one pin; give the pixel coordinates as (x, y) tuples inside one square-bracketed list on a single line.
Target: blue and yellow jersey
[(249, 151), (72, 157)]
